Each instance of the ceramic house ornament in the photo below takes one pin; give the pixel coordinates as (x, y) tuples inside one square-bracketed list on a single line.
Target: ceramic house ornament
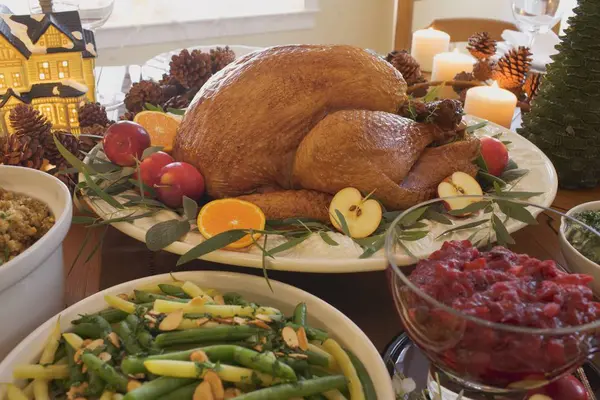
[(46, 60)]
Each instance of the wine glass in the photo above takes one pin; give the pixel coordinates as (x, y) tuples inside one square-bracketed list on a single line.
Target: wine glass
[(489, 319), (93, 13), (535, 16)]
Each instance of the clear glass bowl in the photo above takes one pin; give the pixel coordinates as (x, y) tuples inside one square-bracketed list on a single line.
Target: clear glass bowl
[(495, 328)]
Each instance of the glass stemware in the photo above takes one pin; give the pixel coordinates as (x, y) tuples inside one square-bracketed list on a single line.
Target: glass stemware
[(535, 16), (482, 337), (93, 13)]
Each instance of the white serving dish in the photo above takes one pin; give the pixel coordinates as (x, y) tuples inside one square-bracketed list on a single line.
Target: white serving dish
[(285, 297), (32, 284), (577, 262)]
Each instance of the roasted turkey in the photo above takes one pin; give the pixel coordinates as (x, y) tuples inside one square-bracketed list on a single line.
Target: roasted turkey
[(289, 126)]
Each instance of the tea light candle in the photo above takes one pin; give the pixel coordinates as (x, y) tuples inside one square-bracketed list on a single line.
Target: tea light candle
[(447, 65), (492, 103), (426, 43)]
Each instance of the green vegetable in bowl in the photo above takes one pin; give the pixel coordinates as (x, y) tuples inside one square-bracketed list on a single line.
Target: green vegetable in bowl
[(585, 241), (178, 341)]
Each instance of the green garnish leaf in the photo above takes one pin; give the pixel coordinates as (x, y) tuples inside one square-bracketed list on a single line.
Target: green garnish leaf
[(289, 244), (164, 233), (464, 226), (72, 159), (127, 218), (374, 247), (214, 243), (101, 193), (471, 208), (438, 217), (151, 150), (510, 165), (489, 178), (518, 195), (327, 239), (152, 107), (143, 186), (413, 216), (190, 208), (176, 111), (512, 174), (516, 211), (342, 222), (473, 128), (480, 162), (82, 219), (502, 235), (432, 94), (412, 236)]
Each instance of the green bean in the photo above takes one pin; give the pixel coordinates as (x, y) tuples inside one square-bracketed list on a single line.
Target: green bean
[(201, 335), (184, 393), (95, 385), (297, 365), (75, 374), (133, 365), (301, 388), (311, 333), (111, 376), (131, 344), (61, 351), (318, 371), (133, 322), (172, 290), (146, 340), (300, 314), (363, 376), (146, 297), (87, 330), (316, 397), (315, 358), (113, 315), (235, 299), (263, 362), (157, 388)]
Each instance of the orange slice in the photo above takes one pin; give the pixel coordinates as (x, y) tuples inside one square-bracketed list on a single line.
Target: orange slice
[(161, 127), (227, 214)]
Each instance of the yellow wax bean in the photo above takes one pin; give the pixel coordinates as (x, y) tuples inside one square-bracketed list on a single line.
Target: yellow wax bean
[(193, 290), (153, 287), (47, 372), (223, 311), (40, 390), (51, 346), (14, 393), (333, 365), (119, 303), (74, 340), (354, 386)]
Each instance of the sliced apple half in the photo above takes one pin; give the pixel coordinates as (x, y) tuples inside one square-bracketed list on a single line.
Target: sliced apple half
[(459, 184), (362, 215)]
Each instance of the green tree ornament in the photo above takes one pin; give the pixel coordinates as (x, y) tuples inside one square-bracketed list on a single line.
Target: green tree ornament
[(564, 121)]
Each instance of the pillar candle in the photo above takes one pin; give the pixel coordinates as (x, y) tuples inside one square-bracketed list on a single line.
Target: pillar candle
[(426, 43), (492, 103), (446, 66)]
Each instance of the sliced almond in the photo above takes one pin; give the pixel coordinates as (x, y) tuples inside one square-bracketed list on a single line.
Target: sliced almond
[(219, 299), (86, 342), (75, 391), (259, 323), (123, 296), (84, 368), (201, 321), (258, 347), (198, 356), (232, 393), (95, 344), (216, 384), (132, 385), (289, 337), (140, 375), (104, 356), (172, 297), (171, 321), (298, 356), (114, 339), (263, 317), (150, 318), (152, 313), (302, 339), (197, 301), (228, 321), (279, 354), (263, 340), (77, 356), (203, 392), (240, 320)]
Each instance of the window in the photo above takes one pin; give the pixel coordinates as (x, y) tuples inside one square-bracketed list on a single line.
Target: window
[(16, 80), (63, 69), (53, 40), (44, 70), (73, 118), (2, 81), (61, 114), (46, 109)]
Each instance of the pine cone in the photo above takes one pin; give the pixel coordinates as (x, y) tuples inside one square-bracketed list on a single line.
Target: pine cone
[(68, 179), (26, 120), (86, 143), (142, 92), (177, 102), (169, 91), (406, 64), (191, 70), (465, 77), (512, 68), (91, 114), (128, 116), (483, 69), (167, 79), (21, 150), (531, 87), (481, 45), (220, 57), (68, 140)]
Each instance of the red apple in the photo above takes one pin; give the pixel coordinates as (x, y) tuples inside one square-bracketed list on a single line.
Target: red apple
[(459, 184), (494, 154), (124, 142), (150, 168), (176, 180)]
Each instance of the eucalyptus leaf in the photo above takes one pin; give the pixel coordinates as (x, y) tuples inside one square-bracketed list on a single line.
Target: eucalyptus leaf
[(374, 247), (127, 218), (368, 241), (436, 216), (412, 236), (490, 179), (103, 195), (518, 195), (264, 264), (473, 128), (413, 216), (145, 202), (214, 243), (471, 208), (506, 142), (516, 211), (81, 219), (190, 208), (502, 235), (151, 150), (72, 159), (480, 162), (176, 111), (510, 165), (342, 222), (141, 185), (289, 244), (432, 94), (391, 215), (119, 188), (105, 168), (511, 175), (152, 107), (97, 246), (327, 239), (164, 233), (464, 226)]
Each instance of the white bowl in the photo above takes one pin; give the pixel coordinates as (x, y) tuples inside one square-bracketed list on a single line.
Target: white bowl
[(32, 284), (576, 261), (285, 297)]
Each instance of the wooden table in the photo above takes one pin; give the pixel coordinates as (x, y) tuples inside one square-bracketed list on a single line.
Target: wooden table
[(363, 297)]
